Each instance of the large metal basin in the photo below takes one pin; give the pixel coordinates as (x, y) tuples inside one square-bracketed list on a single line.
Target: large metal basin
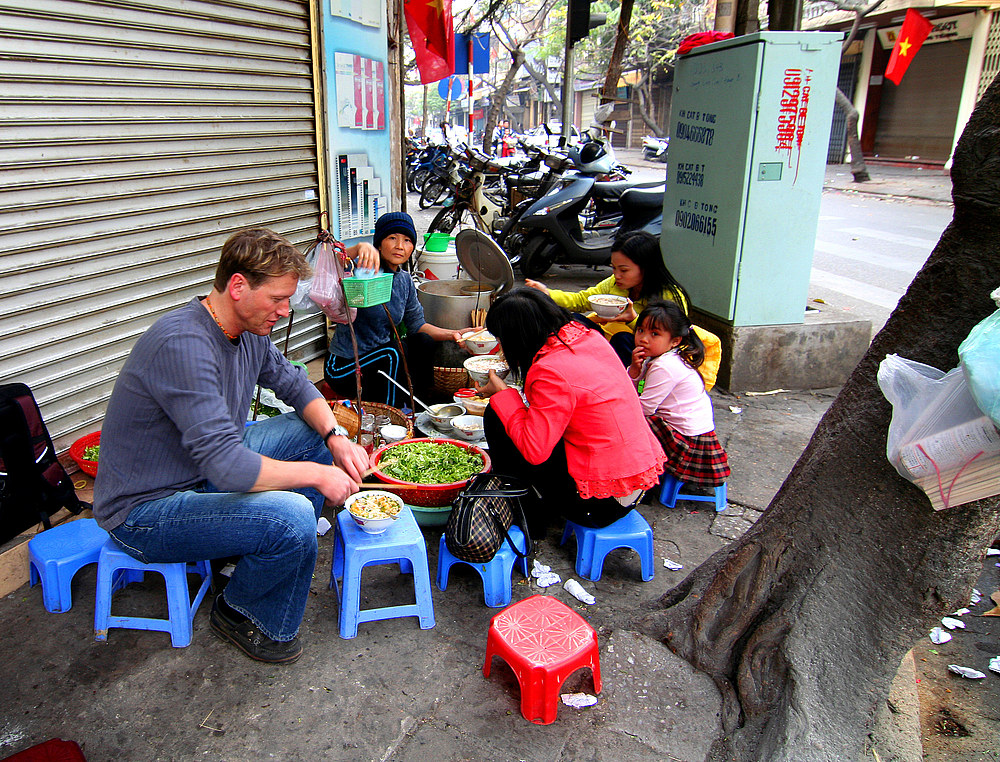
[(446, 306)]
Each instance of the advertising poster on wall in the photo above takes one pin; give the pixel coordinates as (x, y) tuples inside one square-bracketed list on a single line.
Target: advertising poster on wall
[(357, 137)]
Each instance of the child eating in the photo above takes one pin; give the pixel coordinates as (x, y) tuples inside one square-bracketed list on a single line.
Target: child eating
[(673, 397)]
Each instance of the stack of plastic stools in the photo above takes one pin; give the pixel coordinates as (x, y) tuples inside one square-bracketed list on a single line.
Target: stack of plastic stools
[(544, 642), (115, 564), (670, 493), (57, 554), (593, 545), (353, 549), (496, 573)]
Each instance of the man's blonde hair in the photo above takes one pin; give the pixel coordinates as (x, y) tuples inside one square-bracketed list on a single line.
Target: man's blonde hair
[(258, 254)]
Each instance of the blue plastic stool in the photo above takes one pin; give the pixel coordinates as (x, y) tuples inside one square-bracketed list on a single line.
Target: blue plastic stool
[(57, 554), (353, 549), (495, 573), (118, 566), (670, 493), (593, 545)]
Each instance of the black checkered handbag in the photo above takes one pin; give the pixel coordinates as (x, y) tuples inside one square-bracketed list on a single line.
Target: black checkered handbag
[(481, 515)]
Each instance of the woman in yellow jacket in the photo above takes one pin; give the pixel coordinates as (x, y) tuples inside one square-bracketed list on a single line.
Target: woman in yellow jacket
[(640, 275)]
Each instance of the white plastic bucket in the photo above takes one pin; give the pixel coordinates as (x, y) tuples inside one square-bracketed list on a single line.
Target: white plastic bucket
[(443, 265)]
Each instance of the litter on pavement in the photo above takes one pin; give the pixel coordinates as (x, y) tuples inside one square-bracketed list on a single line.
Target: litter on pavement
[(575, 589), (972, 674), (951, 623), (544, 576), (672, 565), (939, 636), (578, 700)]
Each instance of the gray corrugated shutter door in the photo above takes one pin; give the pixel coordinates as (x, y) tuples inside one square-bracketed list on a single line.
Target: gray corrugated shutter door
[(135, 137)]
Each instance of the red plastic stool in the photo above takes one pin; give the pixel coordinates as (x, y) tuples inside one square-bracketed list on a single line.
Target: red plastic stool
[(544, 642)]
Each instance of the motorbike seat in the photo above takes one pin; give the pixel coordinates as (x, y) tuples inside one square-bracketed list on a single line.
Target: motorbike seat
[(614, 189), (640, 200)]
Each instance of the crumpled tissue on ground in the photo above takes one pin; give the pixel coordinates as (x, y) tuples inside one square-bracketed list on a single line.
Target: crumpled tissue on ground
[(995, 664), (960, 612), (544, 576), (672, 565), (578, 700), (322, 526), (976, 596), (951, 623), (939, 636), (972, 674), (575, 589)]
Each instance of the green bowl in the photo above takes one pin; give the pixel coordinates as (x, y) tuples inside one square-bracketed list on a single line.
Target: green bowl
[(430, 517)]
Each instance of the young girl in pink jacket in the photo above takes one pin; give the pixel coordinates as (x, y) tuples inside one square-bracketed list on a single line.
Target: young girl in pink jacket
[(673, 397), (581, 439)]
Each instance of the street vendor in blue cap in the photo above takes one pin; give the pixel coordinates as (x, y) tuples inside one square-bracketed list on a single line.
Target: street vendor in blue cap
[(392, 246)]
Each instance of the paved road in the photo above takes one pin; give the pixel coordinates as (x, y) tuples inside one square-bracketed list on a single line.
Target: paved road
[(868, 248)]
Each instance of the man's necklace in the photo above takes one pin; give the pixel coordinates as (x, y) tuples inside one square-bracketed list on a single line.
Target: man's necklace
[(218, 322)]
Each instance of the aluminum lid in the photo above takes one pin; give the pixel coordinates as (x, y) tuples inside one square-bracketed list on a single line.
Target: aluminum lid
[(483, 260)]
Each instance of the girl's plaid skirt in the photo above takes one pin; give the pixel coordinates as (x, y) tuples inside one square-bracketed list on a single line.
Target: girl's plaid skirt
[(698, 460)]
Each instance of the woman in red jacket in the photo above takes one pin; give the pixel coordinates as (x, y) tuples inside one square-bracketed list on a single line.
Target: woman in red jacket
[(582, 439)]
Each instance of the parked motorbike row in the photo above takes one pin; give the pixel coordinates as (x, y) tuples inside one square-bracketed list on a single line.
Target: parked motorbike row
[(544, 207)]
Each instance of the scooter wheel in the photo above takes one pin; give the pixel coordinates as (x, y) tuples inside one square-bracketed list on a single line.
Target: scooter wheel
[(539, 255)]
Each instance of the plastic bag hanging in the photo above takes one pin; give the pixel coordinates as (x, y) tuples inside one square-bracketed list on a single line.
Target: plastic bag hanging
[(326, 290)]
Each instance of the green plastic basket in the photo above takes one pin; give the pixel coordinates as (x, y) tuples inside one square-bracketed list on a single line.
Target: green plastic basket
[(437, 242), (367, 292)]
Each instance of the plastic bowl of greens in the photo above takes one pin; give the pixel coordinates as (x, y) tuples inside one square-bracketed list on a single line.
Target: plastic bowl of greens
[(431, 472)]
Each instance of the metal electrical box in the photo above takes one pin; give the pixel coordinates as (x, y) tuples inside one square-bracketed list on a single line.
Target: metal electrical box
[(749, 126)]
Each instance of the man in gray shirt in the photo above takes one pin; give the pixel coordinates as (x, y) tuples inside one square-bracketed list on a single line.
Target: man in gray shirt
[(183, 479)]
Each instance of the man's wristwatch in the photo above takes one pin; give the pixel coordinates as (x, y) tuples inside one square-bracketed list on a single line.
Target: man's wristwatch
[(337, 430)]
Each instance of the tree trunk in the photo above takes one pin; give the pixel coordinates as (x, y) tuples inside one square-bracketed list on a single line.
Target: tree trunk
[(644, 97), (858, 167), (423, 117), (609, 92), (803, 622), (541, 79), (499, 97)]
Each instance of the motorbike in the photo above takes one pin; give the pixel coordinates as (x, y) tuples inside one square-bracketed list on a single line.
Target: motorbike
[(552, 228), (655, 149)]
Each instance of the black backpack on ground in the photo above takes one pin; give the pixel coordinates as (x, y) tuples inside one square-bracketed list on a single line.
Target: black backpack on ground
[(33, 483)]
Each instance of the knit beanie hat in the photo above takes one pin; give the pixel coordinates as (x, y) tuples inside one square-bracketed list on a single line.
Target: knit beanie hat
[(393, 222)]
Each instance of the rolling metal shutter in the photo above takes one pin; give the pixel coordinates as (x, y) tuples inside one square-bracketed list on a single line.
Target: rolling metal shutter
[(135, 137), (907, 128)]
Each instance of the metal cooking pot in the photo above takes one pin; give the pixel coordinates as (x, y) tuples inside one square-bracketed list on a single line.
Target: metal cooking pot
[(446, 306)]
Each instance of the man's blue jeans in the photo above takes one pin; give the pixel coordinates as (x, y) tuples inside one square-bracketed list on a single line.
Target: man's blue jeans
[(274, 533)]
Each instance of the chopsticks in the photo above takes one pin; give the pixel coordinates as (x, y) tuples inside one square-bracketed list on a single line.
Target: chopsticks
[(478, 316), (380, 485)]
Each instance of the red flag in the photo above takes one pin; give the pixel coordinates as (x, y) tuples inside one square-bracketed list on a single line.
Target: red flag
[(432, 35), (911, 37)]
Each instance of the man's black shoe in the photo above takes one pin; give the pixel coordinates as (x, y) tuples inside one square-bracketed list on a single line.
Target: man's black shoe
[(247, 637)]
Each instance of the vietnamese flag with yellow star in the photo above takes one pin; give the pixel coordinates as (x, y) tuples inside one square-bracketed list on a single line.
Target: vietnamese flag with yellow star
[(912, 35), (432, 35)]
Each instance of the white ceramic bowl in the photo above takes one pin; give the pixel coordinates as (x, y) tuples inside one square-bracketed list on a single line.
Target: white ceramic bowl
[(607, 305), (468, 427), (479, 367), (378, 524), (442, 414), (481, 342), (392, 433)]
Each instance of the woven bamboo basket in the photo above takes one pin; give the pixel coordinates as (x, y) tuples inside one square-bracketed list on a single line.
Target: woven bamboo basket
[(450, 380), (349, 418)]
